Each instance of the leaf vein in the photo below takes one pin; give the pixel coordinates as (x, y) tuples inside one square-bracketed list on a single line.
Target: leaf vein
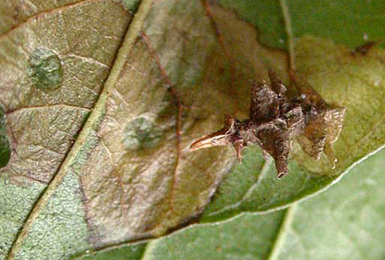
[(179, 115), (36, 16)]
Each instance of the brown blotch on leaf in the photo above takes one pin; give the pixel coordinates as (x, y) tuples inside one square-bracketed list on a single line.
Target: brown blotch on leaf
[(277, 116), (363, 49)]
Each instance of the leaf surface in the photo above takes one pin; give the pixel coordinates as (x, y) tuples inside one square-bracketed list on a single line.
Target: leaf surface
[(181, 67)]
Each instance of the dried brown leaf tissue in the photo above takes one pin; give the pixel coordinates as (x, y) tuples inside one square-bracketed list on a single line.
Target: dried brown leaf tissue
[(277, 116)]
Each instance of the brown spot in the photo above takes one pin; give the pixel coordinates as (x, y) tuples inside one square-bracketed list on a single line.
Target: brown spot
[(363, 49)]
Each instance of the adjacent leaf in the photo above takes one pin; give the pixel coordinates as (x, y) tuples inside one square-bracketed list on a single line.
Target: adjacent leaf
[(248, 237), (54, 60), (344, 223), (345, 22), (123, 253), (266, 15)]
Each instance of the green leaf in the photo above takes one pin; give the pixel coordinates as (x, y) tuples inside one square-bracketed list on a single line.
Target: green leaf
[(122, 253), (343, 21), (182, 66), (346, 222)]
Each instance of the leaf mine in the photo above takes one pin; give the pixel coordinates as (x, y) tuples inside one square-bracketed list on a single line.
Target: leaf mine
[(45, 69), (141, 133)]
